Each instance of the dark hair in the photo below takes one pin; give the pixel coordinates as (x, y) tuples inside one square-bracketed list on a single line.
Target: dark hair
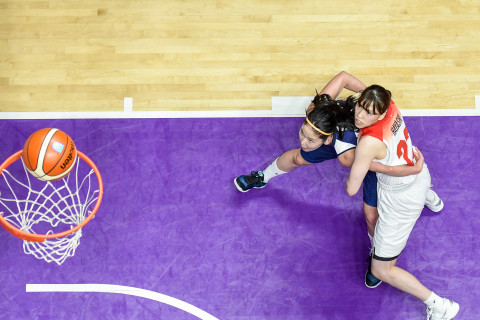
[(328, 116), (376, 96)]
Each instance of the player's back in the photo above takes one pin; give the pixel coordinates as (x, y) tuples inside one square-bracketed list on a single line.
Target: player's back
[(391, 130)]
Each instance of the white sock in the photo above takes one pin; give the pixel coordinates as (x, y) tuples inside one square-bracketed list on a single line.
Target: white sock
[(272, 171), (434, 301), (371, 240)]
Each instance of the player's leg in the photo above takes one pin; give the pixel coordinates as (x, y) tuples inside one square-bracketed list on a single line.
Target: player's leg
[(388, 272), (437, 307), (398, 211), (371, 217), (285, 163), (434, 202), (370, 202)]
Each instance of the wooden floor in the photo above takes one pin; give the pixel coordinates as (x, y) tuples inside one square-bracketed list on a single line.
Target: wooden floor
[(85, 55)]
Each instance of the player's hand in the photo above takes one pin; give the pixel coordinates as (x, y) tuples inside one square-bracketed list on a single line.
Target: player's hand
[(419, 160)]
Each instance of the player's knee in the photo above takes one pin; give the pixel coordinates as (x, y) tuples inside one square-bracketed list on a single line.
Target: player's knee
[(298, 159), (370, 212), (371, 220), (378, 273)]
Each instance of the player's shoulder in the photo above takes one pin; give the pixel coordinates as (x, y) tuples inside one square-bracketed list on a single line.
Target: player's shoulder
[(348, 136), (348, 141), (370, 143)]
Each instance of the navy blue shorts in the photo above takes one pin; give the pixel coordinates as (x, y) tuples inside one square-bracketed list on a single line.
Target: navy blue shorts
[(327, 152)]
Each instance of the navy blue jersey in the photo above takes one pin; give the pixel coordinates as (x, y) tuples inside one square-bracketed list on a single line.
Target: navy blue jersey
[(333, 150)]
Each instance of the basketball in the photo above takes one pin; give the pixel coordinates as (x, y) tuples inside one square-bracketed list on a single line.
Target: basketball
[(49, 154)]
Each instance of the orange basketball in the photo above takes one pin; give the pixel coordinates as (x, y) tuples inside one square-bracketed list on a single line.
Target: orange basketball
[(49, 154)]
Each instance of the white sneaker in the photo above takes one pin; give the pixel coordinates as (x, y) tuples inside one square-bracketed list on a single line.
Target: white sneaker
[(436, 204), (447, 311)]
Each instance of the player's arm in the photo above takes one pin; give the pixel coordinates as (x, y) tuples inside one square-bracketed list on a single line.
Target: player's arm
[(402, 170), (341, 81), (290, 160), (367, 150), (346, 158), (345, 148)]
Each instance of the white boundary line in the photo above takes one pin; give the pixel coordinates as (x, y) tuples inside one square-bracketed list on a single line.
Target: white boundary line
[(128, 104), (295, 107), (110, 288), (281, 107)]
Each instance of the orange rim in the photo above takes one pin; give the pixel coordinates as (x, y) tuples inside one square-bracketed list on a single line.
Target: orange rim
[(41, 237)]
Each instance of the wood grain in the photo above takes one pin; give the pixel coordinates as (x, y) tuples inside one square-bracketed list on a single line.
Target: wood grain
[(73, 55)]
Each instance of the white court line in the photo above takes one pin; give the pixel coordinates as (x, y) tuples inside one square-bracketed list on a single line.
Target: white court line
[(110, 288), (127, 104), (295, 107), (281, 107)]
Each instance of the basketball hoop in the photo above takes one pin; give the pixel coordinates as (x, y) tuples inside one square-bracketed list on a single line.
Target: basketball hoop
[(49, 215)]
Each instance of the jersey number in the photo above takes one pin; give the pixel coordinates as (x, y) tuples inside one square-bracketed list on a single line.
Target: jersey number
[(402, 148)]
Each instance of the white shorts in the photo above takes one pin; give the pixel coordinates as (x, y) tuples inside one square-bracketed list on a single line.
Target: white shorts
[(399, 207)]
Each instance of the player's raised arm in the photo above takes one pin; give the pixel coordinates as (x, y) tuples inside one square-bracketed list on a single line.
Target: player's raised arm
[(341, 81)]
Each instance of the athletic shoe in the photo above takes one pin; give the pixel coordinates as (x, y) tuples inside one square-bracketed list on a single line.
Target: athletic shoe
[(447, 311), (254, 180), (436, 204), (370, 280)]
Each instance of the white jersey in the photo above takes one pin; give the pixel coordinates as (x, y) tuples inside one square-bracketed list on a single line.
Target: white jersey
[(392, 131), (400, 199)]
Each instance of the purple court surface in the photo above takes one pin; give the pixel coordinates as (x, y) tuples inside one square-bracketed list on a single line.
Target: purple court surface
[(173, 224)]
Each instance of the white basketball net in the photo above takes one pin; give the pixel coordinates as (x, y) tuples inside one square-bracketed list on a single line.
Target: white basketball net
[(51, 207)]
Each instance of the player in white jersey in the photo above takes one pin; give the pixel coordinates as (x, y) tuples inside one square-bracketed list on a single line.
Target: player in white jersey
[(320, 140), (384, 138)]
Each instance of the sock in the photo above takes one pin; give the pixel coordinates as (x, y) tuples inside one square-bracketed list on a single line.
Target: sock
[(272, 171), (371, 240), (434, 300)]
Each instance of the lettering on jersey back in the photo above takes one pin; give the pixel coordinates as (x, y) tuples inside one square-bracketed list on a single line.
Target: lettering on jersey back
[(397, 124)]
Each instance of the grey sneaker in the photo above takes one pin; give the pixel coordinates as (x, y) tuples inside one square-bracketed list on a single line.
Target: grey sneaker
[(447, 311), (436, 204)]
